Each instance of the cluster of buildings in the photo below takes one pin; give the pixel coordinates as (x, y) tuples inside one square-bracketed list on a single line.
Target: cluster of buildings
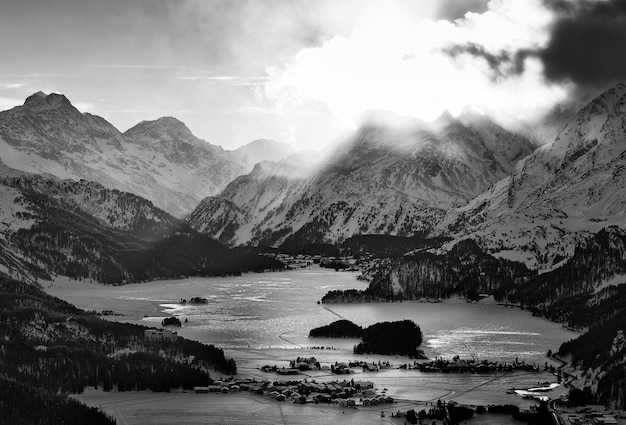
[(153, 335), (340, 393), (471, 366), (302, 261), (590, 415), (302, 364)]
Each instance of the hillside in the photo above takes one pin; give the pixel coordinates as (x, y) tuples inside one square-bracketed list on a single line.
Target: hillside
[(82, 230), (50, 349), (465, 269)]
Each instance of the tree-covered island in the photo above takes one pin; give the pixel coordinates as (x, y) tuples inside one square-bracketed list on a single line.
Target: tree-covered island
[(402, 337)]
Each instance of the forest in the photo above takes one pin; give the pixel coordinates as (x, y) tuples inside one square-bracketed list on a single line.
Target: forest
[(394, 338), (338, 329), (382, 246), (466, 268), (51, 348)]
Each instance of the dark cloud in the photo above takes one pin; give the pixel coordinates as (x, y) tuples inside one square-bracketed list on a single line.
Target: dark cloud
[(456, 9), (502, 63), (587, 43)]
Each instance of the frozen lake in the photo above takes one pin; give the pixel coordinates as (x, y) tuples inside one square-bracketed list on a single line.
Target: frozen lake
[(261, 310)]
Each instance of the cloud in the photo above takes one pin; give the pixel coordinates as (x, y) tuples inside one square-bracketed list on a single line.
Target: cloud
[(502, 63), (422, 68), (8, 86), (227, 79), (587, 42)]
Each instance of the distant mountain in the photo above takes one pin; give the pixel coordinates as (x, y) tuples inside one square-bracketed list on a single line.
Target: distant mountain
[(160, 160), (253, 204), (382, 181), (80, 229), (258, 151), (559, 194)]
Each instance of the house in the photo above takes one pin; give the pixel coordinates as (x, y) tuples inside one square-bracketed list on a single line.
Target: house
[(369, 393), (370, 367), (153, 335), (274, 394), (363, 384)]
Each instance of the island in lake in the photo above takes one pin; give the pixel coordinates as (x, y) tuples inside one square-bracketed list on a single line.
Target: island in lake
[(389, 338)]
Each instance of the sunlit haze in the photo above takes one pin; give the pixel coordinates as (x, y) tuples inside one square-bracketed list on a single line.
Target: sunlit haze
[(300, 72)]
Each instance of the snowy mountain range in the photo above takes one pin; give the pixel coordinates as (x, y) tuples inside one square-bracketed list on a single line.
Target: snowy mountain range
[(383, 180), (456, 177), (160, 160)]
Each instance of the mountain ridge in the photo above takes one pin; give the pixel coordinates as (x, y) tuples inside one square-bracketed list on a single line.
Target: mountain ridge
[(160, 160)]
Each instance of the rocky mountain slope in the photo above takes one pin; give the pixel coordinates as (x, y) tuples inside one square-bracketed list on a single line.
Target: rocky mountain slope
[(383, 180), (160, 160), (558, 195)]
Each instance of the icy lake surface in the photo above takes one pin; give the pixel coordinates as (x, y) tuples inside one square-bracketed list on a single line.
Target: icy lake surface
[(260, 310)]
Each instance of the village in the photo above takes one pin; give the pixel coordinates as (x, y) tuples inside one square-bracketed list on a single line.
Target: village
[(302, 261), (339, 393), (347, 393), (455, 365)]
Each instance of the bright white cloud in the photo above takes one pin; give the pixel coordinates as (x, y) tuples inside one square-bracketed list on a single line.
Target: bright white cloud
[(393, 62)]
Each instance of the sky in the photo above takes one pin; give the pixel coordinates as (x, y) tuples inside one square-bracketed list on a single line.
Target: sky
[(307, 71)]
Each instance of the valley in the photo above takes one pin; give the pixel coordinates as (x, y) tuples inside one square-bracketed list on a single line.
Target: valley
[(459, 211), (264, 319)]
